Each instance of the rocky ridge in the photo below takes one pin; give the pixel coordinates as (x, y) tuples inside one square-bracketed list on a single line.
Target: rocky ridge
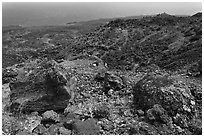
[(134, 76)]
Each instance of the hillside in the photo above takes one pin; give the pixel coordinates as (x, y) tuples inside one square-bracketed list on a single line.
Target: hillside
[(126, 76), (168, 41)]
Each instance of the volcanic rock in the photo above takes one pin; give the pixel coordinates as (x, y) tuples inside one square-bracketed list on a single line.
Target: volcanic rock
[(87, 127), (162, 97), (102, 111), (110, 81), (44, 89), (32, 122), (8, 75), (195, 69), (157, 113), (40, 130), (143, 128), (64, 131), (53, 130), (51, 115)]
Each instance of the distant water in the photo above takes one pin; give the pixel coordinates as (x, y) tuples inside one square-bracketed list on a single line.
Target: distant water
[(48, 13)]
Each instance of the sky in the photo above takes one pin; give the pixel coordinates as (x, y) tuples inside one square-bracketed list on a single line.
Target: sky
[(47, 13)]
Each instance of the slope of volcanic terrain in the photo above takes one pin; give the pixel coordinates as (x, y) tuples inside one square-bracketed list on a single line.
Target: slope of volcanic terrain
[(123, 77)]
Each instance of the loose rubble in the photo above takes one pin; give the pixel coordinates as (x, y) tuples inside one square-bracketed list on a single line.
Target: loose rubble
[(126, 77)]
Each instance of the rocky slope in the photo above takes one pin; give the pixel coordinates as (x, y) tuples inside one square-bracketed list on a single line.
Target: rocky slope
[(127, 77), (168, 41)]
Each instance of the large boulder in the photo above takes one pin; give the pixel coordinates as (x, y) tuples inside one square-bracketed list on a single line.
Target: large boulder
[(47, 87), (166, 99), (160, 89)]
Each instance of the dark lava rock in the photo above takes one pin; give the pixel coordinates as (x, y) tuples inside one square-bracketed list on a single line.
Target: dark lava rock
[(143, 128), (44, 89), (195, 69), (40, 130), (8, 75), (163, 97), (102, 111), (53, 130), (146, 129), (64, 131), (157, 113), (69, 119), (158, 89), (110, 81), (88, 127)]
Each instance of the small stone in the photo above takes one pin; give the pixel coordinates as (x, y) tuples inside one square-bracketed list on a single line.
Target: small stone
[(32, 122), (128, 113), (53, 130), (51, 115), (186, 108), (118, 120), (64, 131), (47, 125), (142, 118), (88, 127), (110, 92), (192, 102), (102, 111), (140, 112), (40, 130), (179, 129), (34, 113)]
